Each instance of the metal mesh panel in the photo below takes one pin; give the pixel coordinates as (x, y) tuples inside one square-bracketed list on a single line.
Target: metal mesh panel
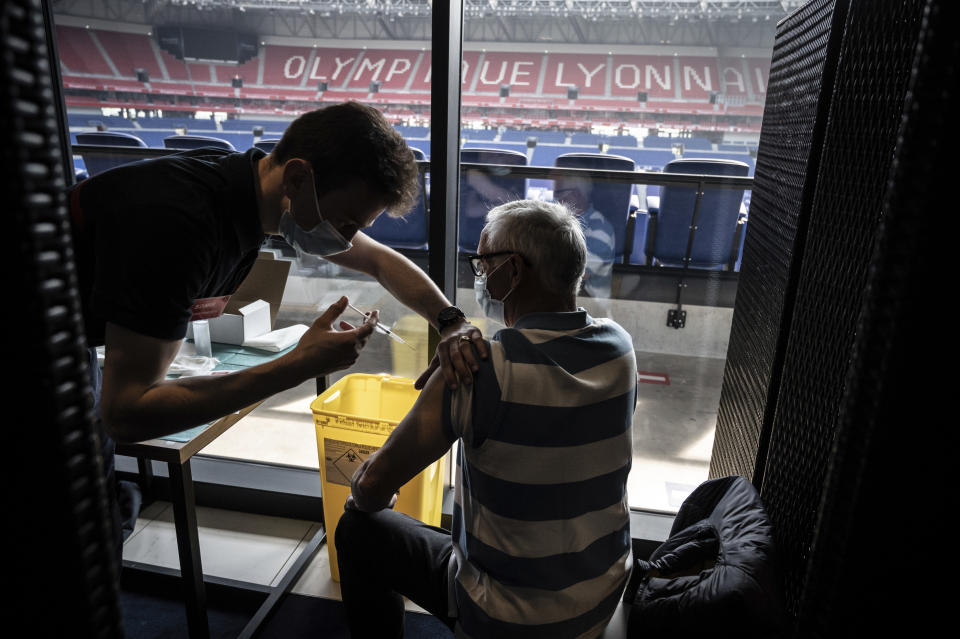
[(793, 122), (62, 549), (865, 111), (885, 469)]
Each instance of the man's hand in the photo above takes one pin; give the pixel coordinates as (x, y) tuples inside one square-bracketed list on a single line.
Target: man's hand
[(351, 503), (455, 355), (323, 349)]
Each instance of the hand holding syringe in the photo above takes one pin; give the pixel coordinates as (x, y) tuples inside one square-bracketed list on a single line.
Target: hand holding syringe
[(383, 329)]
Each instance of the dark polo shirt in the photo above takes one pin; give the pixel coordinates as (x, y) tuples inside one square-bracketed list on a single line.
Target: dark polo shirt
[(154, 236)]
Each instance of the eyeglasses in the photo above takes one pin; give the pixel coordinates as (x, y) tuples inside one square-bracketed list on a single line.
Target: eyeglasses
[(476, 260)]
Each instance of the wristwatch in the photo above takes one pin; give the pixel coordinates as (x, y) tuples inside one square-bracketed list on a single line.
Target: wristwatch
[(449, 315)]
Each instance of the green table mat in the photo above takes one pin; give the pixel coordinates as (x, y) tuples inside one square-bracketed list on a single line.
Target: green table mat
[(232, 358)]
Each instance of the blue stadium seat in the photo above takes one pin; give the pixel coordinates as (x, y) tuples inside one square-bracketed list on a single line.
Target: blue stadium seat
[(657, 142), (480, 193), (153, 139), (722, 155), (266, 145), (547, 154), (622, 141), (517, 135), (713, 239), (408, 232), (612, 200), (586, 139), (101, 161), (195, 142), (413, 131), (478, 134), (699, 144)]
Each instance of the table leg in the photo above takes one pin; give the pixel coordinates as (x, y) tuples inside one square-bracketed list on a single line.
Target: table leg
[(146, 479), (188, 545)]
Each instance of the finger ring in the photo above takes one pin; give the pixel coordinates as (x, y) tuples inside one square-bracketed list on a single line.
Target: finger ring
[(465, 338)]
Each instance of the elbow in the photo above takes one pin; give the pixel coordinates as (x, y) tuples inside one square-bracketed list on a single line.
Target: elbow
[(369, 493), (119, 427), (118, 430)]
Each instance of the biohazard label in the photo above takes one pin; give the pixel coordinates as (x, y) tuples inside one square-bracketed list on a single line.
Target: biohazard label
[(342, 459)]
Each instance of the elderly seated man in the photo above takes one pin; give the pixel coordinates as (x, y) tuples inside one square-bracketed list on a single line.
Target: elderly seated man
[(541, 536)]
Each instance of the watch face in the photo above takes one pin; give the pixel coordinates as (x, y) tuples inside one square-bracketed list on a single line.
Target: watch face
[(450, 314)]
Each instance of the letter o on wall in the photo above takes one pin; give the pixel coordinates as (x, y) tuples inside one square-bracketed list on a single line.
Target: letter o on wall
[(301, 63)]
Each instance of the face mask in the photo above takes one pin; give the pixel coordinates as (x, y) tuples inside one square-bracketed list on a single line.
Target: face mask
[(322, 240), (492, 308)]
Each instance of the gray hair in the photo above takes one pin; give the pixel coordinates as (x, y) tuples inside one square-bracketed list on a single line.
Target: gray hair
[(547, 234)]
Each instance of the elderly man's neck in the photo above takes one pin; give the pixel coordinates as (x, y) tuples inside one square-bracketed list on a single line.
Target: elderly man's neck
[(539, 303)]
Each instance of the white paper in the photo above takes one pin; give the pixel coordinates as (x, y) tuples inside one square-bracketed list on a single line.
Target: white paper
[(278, 340)]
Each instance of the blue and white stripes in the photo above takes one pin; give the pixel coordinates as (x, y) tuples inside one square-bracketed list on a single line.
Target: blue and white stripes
[(541, 522)]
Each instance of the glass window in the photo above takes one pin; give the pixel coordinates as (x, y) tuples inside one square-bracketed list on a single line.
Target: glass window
[(130, 78), (628, 87), (651, 89)]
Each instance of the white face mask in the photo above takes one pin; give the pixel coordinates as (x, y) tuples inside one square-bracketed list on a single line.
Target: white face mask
[(321, 240), (492, 308)]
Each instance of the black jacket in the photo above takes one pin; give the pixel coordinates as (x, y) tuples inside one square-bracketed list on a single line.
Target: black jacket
[(716, 575)]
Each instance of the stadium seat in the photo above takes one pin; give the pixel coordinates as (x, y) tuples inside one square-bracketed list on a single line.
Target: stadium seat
[(713, 238), (195, 142), (266, 145), (612, 200), (98, 162), (481, 192), (410, 231)]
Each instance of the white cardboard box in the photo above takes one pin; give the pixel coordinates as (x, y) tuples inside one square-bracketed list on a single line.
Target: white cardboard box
[(248, 322), (252, 310)]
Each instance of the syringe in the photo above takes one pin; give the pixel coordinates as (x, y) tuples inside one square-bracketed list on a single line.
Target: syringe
[(383, 329)]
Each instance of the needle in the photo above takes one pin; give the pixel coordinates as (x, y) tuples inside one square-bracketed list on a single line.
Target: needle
[(383, 329)]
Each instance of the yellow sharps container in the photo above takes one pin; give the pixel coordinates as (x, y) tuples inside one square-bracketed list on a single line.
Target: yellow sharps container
[(353, 418)]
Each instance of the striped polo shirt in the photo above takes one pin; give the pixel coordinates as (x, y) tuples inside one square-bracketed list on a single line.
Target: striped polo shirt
[(541, 528)]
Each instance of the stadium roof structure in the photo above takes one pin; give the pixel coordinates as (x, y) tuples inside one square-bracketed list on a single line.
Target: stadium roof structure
[(714, 23)]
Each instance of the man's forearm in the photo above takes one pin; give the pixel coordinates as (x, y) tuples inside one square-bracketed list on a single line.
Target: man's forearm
[(171, 406), (411, 286)]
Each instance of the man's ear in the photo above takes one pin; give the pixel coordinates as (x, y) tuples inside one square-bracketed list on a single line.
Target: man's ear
[(296, 174), (519, 268)]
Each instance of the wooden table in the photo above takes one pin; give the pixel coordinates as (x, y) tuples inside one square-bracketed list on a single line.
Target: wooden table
[(177, 456)]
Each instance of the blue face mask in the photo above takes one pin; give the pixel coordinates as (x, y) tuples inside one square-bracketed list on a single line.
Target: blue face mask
[(322, 240), (491, 308)]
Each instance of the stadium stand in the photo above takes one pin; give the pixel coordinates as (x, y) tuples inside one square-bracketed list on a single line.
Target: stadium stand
[(79, 54), (97, 62), (537, 80), (127, 52)]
